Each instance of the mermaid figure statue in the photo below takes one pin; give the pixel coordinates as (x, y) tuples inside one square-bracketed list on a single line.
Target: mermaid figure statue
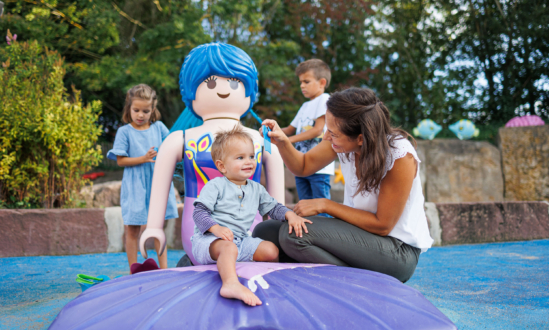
[(218, 84)]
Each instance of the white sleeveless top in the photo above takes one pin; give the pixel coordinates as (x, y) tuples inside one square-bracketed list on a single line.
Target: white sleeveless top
[(412, 227)]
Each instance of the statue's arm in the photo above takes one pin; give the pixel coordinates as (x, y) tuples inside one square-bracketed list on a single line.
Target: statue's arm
[(274, 173), (169, 154)]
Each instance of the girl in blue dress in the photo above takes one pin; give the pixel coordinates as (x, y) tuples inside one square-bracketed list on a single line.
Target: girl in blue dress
[(135, 148)]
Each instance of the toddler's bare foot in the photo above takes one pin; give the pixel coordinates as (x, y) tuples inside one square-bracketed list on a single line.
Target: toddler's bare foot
[(236, 290)]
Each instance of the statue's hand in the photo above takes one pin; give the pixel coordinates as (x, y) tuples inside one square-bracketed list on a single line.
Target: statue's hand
[(152, 233)]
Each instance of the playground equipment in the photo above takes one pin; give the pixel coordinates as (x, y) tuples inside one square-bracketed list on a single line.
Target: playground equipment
[(219, 84)]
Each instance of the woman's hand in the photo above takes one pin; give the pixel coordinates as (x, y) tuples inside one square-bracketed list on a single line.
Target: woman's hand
[(222, 232), (276, 134), (297, 223), (310, 207)]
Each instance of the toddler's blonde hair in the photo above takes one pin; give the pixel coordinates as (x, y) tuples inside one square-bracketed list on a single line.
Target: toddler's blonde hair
[(223, 140)]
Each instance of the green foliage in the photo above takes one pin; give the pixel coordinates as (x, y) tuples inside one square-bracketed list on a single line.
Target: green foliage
[(507, 44), (484, 60), (47, 142), (331, 30)]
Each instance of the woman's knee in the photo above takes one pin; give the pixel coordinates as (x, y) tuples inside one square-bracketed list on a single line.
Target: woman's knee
[(290, 242)]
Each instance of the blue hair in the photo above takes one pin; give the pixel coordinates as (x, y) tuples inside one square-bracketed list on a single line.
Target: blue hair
[(213, 59)]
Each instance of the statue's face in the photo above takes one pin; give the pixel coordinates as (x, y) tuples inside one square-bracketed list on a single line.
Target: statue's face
[(221, 97)]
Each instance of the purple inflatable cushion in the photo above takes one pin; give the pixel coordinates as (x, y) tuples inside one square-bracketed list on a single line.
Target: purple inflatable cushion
[(294, 297)]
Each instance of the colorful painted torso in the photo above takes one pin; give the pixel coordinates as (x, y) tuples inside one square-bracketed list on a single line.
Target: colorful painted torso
[(199, 167)]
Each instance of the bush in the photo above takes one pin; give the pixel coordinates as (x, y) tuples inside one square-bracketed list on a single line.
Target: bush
[(47, 141)]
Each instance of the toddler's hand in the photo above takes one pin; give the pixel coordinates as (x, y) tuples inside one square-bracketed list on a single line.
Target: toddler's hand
[(150, 155), (222, 232), (297, 223)]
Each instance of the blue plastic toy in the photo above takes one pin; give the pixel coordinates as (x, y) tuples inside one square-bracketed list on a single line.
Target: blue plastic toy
[(464, 129), (427, 129)]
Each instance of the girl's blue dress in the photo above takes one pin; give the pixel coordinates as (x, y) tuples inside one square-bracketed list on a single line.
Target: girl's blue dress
[(136, 183)]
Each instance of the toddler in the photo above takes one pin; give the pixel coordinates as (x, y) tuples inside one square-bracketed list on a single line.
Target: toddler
[(134, 148), (225, 210), (308, 126)]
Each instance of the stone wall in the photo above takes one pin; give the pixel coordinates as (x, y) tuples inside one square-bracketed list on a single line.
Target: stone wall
[(70, 232), (460, 171), (52, 232), (462, 223), (79, 231), (525, 162)]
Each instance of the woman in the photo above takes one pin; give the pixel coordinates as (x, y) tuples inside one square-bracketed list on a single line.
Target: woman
[(381, 225)]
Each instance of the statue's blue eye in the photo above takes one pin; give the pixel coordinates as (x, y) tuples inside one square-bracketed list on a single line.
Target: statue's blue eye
[(234, 83)]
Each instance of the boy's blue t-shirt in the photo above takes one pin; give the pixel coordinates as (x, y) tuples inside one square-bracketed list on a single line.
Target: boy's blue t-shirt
[(305, 119)]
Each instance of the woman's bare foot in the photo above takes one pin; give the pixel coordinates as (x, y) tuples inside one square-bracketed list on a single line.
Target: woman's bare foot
[(235, 290)]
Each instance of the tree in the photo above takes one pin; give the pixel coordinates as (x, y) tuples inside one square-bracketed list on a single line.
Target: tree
[(505, 45), (109, 46), (48, 141)]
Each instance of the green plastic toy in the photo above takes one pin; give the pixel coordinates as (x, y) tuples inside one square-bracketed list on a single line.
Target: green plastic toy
[(87, 281)]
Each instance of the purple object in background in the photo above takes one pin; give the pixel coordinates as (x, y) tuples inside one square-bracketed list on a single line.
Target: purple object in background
[(528, 120), (295, 296)]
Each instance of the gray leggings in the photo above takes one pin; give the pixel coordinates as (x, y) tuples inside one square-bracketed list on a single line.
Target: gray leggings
[(336, 242)]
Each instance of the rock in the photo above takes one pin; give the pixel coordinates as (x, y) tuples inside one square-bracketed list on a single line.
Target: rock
[(525, 162), (52, 232), (421, 149), (461, 171), (464, 223), (115, 229), (101, 195), (106, 194), (433, 222)]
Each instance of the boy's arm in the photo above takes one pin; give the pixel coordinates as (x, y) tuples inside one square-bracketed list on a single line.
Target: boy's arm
[(202, 217), (312, 133), (290, 130), (295, 222), (278, 212)]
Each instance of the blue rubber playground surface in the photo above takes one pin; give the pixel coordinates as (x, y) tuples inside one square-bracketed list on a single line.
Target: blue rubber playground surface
[(482, 286)]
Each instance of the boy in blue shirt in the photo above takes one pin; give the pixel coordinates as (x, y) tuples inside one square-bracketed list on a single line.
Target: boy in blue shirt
[(225, 211), (308, 126)]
